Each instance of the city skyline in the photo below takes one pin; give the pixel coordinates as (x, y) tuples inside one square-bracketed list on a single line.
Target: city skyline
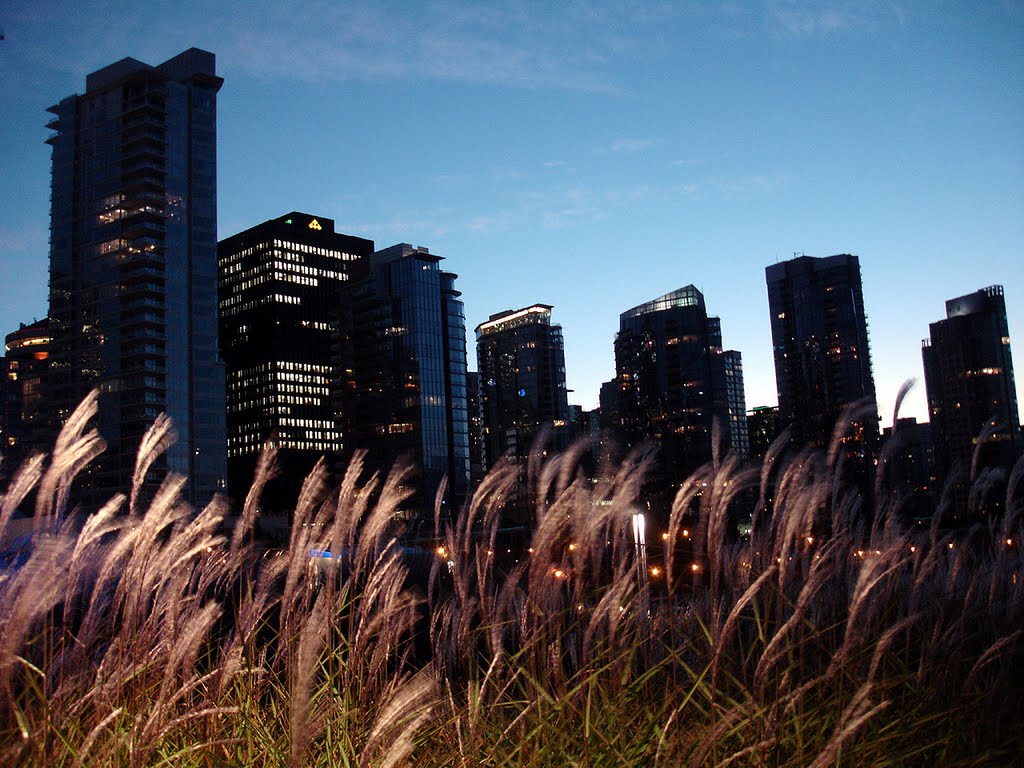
[(662, 148)]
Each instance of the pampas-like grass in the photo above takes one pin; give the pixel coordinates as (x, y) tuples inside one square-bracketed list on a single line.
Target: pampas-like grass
[(145, 635)]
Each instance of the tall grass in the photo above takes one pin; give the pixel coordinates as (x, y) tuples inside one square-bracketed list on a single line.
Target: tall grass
[(155, 636)]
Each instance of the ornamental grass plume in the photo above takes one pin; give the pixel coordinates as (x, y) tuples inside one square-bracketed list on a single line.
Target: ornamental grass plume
[(148, 633)]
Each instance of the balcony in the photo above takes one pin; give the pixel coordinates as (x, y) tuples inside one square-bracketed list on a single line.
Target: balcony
[(142, 166), (143, 227), (141, 304)]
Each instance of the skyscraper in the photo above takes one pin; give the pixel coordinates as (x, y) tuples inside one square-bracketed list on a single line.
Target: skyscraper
[(822, 355), (762, 429), (475, 419), (133, 264), (521, 360), (280, 300), (403, 373), (968, 372), (675, 382)]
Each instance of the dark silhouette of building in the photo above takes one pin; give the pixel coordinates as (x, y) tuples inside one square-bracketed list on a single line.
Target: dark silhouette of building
[(972, 399), (403, 373), (731, 392), (608, 407), (280, 297), (23, 406), (475, 419), (909, 467), (763, 428), (675, 383), (822, 354), (133, 265), (521, 360)]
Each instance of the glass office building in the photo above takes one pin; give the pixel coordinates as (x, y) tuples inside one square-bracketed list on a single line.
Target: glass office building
[(674, 382), (402, 386)]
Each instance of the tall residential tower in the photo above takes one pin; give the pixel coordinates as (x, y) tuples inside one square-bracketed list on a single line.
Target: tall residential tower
[(133, 265), (822, 355), (968, 371), (675, 382), (521, 360)]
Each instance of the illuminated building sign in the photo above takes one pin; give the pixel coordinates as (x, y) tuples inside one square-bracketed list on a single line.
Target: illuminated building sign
[(314, 224)]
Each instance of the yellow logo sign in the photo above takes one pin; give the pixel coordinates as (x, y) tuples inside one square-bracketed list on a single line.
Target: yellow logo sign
[(314, 224)]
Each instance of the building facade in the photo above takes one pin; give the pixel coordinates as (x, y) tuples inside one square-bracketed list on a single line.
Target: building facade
[(133, 265), (403, 377), (281, 294), (521, 359), (972, 400), (24, 409), (675, 382), (762, 428), (475, 418), (909, 468), (822, 352)]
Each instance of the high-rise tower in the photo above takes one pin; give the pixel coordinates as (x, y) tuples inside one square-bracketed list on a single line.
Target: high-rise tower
[(521, 360), (402, 373), (133, 264), (822, 355), (281, 286), (968, 371), (675, 382)]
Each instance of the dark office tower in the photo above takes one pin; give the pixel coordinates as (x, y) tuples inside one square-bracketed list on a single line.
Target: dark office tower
[(968, 372), (133, 265), (403, 373), (762, 428), (521, 358), (909, 467), (25, 408), (475, 418), (608, 399), (822, 356), (675, 382), (280, 296)]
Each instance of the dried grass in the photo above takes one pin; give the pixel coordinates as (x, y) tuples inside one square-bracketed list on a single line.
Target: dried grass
[(146, 635)]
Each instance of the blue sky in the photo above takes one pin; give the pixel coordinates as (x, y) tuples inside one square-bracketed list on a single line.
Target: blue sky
[(588, 155)]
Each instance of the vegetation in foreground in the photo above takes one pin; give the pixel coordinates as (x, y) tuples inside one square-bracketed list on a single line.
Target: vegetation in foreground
[(150, 637)]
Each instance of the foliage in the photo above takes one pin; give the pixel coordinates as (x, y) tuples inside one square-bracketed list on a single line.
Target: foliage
[(156, 636)]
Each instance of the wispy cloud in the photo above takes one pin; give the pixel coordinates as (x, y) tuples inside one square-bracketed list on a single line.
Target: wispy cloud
[(745, 185), (504, 44), (800, 18), (700, 157), (579, 204), (625, 146), (500, 221), (402, 226)]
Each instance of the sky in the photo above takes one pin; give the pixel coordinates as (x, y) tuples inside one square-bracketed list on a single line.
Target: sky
[(587, 155)]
